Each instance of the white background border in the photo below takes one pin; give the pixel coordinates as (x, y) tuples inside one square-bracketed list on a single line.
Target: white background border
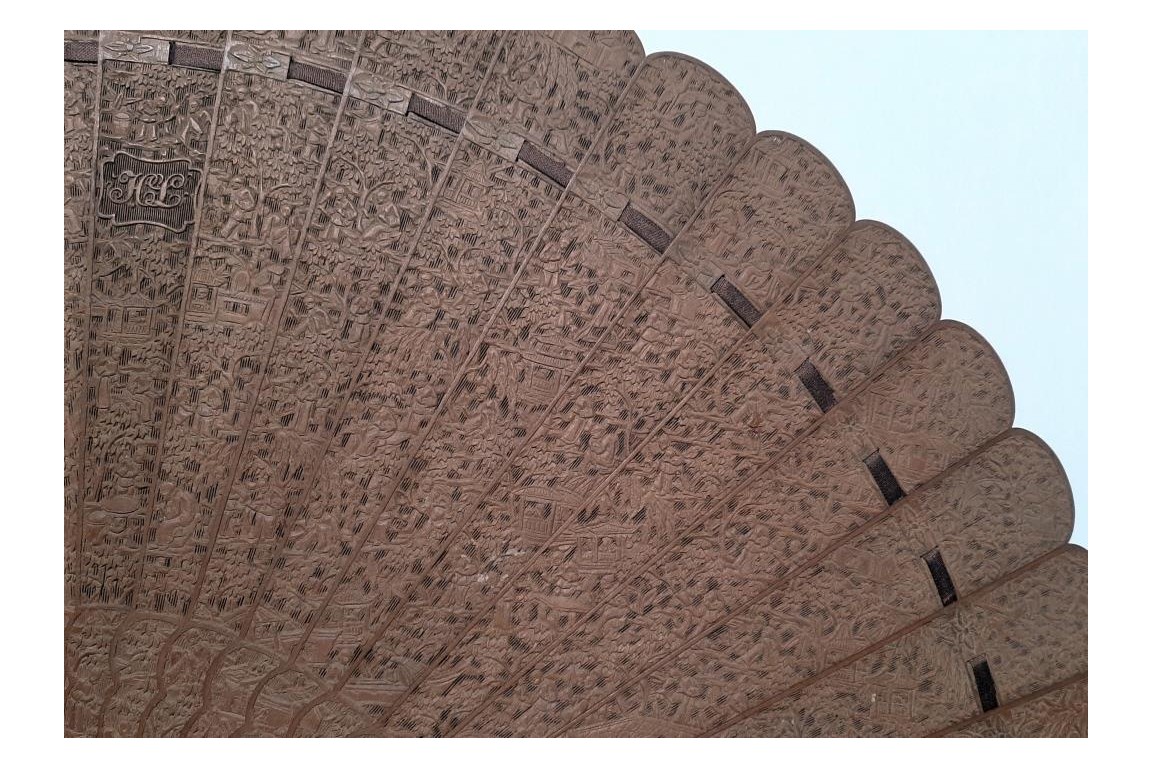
[(1119, 136)]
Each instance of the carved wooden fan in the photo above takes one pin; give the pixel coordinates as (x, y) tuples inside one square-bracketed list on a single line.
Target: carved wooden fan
[(487, 384)]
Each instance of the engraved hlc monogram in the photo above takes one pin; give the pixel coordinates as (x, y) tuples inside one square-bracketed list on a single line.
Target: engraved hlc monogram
[(153, 190), (139, 191)]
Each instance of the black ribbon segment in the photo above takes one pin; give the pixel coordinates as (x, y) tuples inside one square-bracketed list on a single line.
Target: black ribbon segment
[(940, 577), (542, 163), (738, 302), (195, 57), (82, 51), (985, 685), (886, 481), (439, 114), (820, 390), (645, 229), (328, 79)]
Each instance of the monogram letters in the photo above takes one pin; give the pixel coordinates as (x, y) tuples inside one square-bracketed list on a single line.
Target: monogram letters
[(138, 191)]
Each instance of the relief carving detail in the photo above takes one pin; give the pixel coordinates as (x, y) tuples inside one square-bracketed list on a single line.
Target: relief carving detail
[(401, 399)]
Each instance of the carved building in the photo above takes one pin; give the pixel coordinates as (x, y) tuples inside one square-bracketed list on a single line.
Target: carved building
[(489, 383)]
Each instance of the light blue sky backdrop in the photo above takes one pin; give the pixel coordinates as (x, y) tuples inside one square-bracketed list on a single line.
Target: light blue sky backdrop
[(975, 146)]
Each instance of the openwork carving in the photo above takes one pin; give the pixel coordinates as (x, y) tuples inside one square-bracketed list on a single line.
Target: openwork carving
[(507, 384)]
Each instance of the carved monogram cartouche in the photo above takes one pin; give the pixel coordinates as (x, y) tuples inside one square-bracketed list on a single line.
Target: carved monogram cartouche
[(138, 191)]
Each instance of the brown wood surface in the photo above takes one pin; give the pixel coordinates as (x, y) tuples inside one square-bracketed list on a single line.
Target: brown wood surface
[(400, 401)]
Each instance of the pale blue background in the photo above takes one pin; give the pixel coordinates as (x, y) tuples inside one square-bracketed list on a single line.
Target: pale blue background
[(975, 146)]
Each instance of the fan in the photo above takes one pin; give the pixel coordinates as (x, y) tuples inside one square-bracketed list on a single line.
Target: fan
[(508, 384)]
